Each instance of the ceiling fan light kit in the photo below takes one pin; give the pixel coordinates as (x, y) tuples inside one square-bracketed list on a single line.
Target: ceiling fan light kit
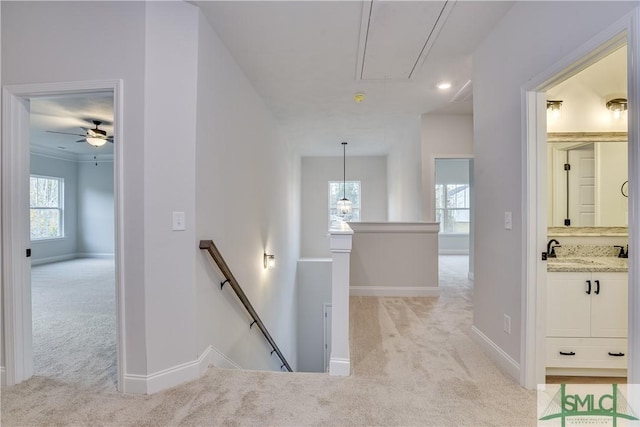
[(95, 137), (95, 141)]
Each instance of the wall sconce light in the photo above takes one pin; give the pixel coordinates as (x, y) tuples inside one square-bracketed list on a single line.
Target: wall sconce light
[(554, 107), (617, 105), (269, 261)]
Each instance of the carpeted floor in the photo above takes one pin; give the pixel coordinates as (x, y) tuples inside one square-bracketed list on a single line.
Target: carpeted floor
[(74, 322), (414, 364)]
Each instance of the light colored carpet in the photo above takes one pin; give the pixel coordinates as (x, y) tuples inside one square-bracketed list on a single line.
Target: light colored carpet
[(74, 322), (414, 364)]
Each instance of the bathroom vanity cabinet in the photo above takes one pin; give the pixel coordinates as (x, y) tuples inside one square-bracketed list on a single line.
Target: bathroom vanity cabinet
[(586, 322)]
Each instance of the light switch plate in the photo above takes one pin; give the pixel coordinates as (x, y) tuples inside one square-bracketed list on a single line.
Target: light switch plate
[(179, 221), (508, 221)]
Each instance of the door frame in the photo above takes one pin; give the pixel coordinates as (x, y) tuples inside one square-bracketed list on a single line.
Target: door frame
[(16, 267), (534, 193)]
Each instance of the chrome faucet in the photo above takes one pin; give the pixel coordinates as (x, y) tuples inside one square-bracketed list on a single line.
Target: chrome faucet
[(551, 250)]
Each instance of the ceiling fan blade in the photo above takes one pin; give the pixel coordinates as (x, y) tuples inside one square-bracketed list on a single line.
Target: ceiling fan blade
[(64, 133)]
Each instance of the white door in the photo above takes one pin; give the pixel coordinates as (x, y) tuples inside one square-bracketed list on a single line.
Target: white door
[(327, 335), (582, 181)]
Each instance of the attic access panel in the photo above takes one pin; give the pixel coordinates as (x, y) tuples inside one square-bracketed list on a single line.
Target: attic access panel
[(395, 37)]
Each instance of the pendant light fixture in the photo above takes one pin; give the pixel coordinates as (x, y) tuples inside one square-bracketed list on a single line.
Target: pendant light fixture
[(344, 205)]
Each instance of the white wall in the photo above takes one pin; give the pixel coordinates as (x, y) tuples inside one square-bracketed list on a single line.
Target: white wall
[(171, 73), (246, 202), (522, 40), (66, 247), (76, 47), (371, 171), (314, 290), (443, 136), (584, 104), (404, 175), (95, 209)]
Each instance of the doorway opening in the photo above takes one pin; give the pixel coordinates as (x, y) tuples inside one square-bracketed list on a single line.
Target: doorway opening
[(62, 228), (586, 304), (453, 210), (71, 196), (539, 349)]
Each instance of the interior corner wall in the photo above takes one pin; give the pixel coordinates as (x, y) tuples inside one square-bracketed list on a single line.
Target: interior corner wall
[(52, 250), (523, 41), (404, 175), (60, 35), (171, 74), (246, 204), (371, 171), (444, 136), (95, 209)]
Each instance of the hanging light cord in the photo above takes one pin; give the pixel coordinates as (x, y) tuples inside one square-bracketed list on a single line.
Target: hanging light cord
[(344, 171)]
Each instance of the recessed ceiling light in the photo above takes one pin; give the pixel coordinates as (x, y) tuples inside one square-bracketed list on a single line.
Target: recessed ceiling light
[(444, 85)]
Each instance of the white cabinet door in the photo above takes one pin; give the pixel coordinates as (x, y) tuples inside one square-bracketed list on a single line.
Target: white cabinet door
[(609, 305), (568, 305)]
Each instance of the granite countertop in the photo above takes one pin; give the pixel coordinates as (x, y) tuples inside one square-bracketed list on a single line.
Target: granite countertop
[(587, 258), (582, 264), (588, 231)]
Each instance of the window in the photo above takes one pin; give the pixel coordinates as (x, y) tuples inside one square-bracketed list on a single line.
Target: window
[(336, 192), (46, 204), (452, 208)]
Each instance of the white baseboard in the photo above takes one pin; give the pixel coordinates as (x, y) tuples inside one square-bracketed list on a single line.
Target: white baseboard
[(339, 367), (453, 252), (68, 257), (393, 291), (95, 255), (220, 360), (498, 355), (3, 376), (167, 378), (471, 276), (49, 260)]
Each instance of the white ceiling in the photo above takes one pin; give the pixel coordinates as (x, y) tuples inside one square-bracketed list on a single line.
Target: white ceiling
[(70, 114), (307, 58)]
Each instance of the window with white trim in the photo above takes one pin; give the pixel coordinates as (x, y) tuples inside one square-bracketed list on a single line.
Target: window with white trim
[(46, 207), (337, 191), (452, 208)]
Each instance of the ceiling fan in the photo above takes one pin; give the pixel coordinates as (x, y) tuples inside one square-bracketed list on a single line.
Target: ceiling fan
[(95, 137)]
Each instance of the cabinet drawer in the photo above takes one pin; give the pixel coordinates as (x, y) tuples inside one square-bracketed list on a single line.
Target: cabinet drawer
[(588, 353)]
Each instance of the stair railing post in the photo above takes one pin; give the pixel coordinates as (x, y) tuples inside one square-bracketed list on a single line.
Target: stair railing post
[(341, 236)]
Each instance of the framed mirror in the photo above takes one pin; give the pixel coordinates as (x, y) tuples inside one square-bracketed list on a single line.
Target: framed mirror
[(586, 172)]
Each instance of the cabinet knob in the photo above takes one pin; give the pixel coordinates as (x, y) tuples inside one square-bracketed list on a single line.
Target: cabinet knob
[(588, 287)]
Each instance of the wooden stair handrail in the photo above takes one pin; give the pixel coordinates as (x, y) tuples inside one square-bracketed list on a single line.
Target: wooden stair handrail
[(226, 272)]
